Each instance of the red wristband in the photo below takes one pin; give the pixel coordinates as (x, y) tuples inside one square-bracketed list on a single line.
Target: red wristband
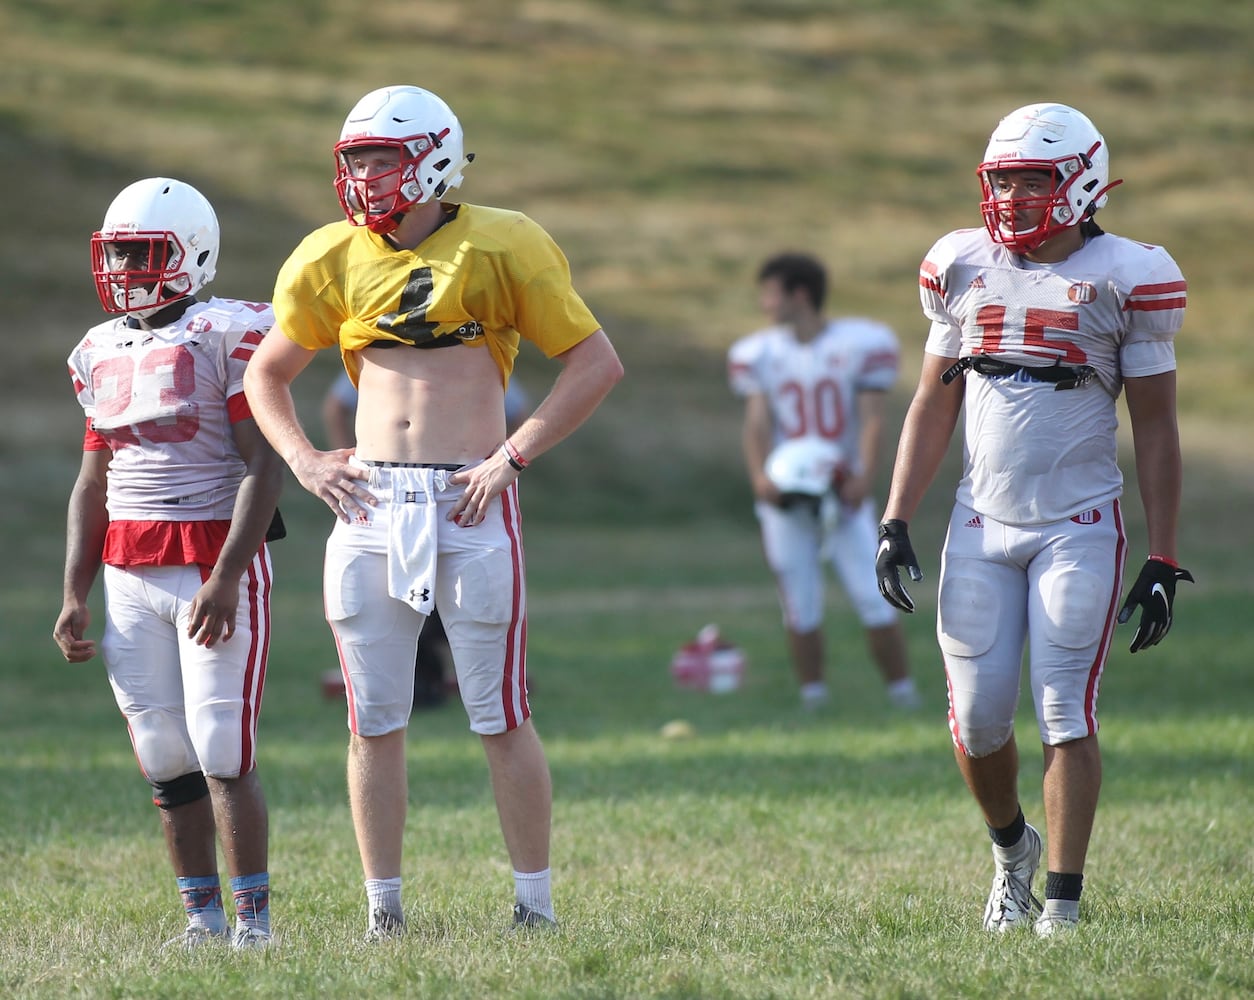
[(513, 457), (1163, 559)]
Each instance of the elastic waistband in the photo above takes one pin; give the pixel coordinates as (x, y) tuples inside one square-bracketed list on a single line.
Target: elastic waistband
[(409, 465)]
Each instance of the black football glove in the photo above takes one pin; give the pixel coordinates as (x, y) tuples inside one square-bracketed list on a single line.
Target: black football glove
[(894, 552), (1154, 591)]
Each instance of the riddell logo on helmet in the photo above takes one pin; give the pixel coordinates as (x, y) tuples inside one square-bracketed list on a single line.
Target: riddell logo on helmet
[(1082, 293)]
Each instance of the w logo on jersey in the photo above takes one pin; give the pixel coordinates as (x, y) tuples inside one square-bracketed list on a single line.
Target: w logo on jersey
[(1088, 517)]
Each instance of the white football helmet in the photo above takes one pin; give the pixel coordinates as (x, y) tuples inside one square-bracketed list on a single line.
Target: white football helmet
[(1057, 139), (172, 229), (428, 136), (804, 466)]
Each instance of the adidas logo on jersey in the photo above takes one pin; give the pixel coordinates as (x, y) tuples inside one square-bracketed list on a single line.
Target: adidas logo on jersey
[(975, 522), (978, 282)]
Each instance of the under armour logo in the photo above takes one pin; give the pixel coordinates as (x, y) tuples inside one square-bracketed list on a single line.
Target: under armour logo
[(421, 597)]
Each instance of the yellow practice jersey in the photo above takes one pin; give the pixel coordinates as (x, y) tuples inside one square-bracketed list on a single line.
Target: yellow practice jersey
[(486, 277)]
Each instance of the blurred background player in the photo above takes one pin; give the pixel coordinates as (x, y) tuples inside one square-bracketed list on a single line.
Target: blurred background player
[(1039, 319), (427, 301), (433, 662), (821, 380), (175, 498)]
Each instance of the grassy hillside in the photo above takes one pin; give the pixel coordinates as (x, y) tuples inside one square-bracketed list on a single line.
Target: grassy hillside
[(668, 145)]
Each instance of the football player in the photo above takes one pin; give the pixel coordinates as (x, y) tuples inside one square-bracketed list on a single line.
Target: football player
[(1038, 321), (175, 498), (821, 382), (426, 300)]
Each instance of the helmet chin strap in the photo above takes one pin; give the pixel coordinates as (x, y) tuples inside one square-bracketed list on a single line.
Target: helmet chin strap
[(166, 313)]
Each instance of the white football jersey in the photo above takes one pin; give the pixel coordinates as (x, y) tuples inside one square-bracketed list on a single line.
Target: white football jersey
[(812, 387), (1034, 454), (159, 400)]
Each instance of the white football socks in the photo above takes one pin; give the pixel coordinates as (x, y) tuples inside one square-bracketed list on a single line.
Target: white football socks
[(534, 891), (384, 894)]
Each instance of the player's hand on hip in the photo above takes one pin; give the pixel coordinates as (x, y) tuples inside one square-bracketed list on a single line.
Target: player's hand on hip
[(68, 633), (484, 481), (1154, 593), (329, 476), (893, 554)]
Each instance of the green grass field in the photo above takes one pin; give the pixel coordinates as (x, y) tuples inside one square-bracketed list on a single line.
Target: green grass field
[(668, 146), (774, 854)]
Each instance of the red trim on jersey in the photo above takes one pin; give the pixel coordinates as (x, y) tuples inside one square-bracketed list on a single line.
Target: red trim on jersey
[(879, 361), (929, 277), (93, 440), (1155, 298), (514, 680), (237, 408), (247, 345), (164, 543)]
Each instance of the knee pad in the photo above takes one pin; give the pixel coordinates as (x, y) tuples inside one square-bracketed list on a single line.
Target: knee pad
[(219, 738), (190, 787), (161, 743), (982, 741)]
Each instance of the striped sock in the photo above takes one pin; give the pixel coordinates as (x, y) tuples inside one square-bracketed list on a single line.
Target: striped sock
[(252, 900), (202, 899)]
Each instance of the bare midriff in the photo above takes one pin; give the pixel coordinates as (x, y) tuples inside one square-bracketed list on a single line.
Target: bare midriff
[(436, 405)]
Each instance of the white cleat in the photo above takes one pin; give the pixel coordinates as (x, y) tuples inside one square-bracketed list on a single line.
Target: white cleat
[(1010, 902), (385, 925), (1055, 925), (194, 937), (250, 938)]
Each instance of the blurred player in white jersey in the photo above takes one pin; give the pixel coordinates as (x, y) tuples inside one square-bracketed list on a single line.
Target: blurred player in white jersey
[(1039, 320), (814, 393), (176, 499)]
